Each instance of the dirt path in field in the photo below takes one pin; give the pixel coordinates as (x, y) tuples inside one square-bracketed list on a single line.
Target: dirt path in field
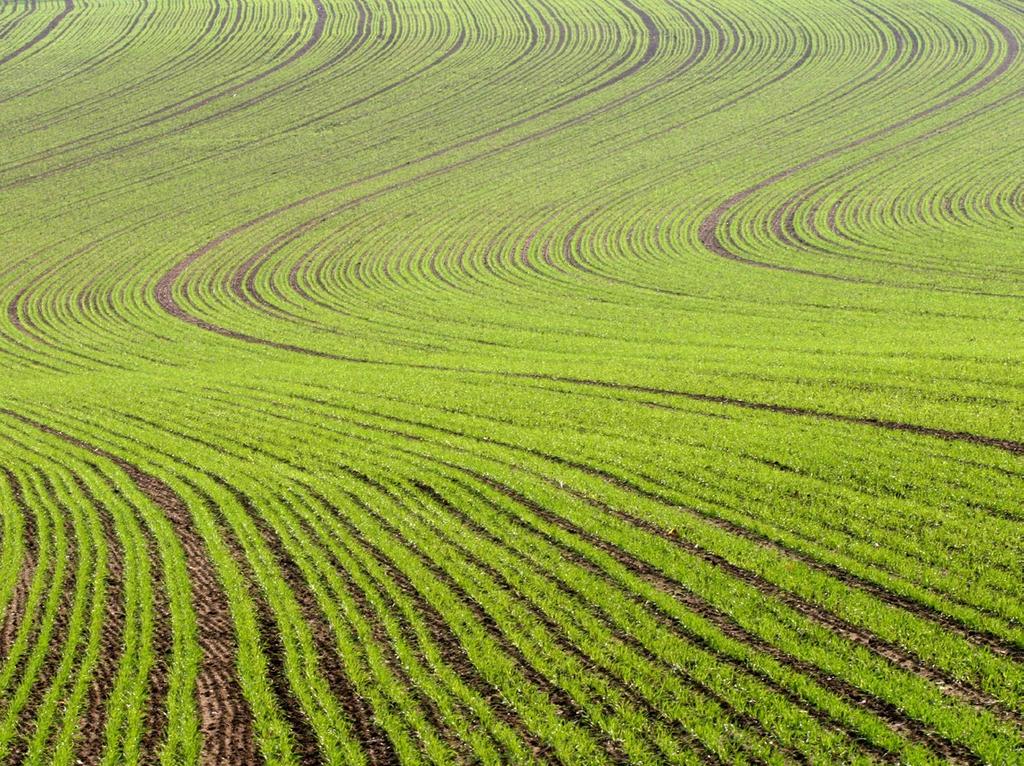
[(15, 614), (304, 741), (375, 741), (225, 719)]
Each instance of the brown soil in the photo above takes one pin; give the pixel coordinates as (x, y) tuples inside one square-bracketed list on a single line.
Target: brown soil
[(90, 746), (374, 741), (59, 636), (14, 615), (225, 719)]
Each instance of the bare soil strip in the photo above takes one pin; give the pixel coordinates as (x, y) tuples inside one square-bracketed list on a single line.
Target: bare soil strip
[(225, 719)]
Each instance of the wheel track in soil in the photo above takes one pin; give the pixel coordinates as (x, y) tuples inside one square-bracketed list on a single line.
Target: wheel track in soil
[(377, 746), (57, 623), (374, 744), (889, 712), (225, 720), (561, 698)]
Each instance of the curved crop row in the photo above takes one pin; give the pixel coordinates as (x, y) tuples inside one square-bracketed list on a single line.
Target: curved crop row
[(511, 381)]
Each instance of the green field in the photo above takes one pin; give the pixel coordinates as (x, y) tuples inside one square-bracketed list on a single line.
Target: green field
[(511, 381)]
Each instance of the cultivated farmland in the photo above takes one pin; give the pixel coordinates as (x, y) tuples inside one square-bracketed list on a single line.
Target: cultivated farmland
[(511, 381)]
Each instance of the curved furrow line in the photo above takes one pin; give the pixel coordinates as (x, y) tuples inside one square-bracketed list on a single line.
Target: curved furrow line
[(192, 55), (163, 291), (164, 114), (10, 25), (22, 565), (699, 51), (901, 722), (610, 701), (710, 226), (560, 697), (221, 707), (445, 645), (352, 46), (377, 388), (300, 582), (884, 65), (118, 45), (38, 666), (41, 36), (981, 638), (424, 625), (787, 229)]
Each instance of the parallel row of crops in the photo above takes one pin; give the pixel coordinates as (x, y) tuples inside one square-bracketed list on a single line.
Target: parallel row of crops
[(511, 381)]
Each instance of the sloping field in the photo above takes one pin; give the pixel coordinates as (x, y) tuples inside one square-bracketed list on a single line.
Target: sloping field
[(511, 381)]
